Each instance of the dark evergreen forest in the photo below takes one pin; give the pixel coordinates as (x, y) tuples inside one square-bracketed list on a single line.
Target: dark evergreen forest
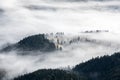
[(99, 68)]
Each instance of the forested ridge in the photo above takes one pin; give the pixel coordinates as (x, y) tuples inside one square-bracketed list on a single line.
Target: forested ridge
[(49, 74), (99, 68), (32, 43)]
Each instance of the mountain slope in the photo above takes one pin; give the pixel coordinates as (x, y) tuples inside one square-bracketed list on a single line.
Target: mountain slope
[(100, 68), (32, 43), (50, 75)]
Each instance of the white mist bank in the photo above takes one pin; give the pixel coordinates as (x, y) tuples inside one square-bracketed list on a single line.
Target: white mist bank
[(18, 20), (21, 18)]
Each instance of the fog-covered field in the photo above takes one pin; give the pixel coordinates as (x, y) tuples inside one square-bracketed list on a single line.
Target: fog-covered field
[(21, 18)]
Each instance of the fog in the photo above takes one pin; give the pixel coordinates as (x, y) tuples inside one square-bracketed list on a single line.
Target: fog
[(21, 18)]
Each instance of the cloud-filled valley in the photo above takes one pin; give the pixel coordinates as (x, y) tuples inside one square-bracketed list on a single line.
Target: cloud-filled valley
[(22, 18)]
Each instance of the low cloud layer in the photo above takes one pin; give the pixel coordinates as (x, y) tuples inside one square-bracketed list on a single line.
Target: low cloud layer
[(21, 18)]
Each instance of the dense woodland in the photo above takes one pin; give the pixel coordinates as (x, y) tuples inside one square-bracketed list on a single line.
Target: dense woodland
[(100, 68), (36, 42), (49, 74), (32, 43)]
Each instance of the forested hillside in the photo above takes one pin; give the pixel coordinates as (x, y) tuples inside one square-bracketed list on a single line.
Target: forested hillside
[(32, 43), (50, 75), (100, 68)]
